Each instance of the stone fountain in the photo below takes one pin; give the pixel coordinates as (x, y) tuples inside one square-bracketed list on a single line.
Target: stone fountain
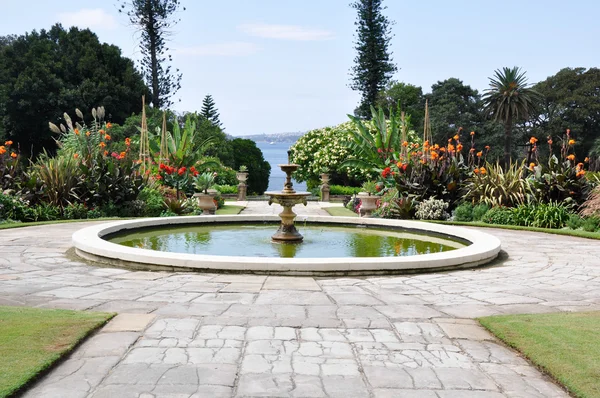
[(287, 198)]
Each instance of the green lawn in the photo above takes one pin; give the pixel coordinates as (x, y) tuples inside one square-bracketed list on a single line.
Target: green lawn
[(340, 212), (32, 339), (565, 345), (229, 210), (565, 232)]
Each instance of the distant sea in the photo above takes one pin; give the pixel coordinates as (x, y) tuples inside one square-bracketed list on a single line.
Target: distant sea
[(277, 154)]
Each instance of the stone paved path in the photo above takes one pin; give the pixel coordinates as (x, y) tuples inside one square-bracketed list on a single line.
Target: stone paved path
[(208, 335)]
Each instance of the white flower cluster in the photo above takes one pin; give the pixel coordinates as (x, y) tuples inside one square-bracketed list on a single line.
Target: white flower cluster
[(432, 209)]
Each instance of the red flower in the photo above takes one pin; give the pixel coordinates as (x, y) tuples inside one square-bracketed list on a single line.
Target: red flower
[(162, 166), (386, 172), (181, 171)]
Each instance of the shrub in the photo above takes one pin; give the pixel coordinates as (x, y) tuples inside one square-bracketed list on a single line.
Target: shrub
[(498, 215), (95, 213), (524, 214), (464, 212), (175, 206), (227, 189), (591, 224), (432, 209), (246, 153), (14, 208), (75, 211), (343, 190), (132, 208), (44, 212), (495, 186), (574, 221), (551, 215), (592, 204), (154, 201), (59, 178), (479, 211)]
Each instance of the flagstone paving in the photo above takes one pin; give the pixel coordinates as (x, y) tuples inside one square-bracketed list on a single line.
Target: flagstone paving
[(219, 335)]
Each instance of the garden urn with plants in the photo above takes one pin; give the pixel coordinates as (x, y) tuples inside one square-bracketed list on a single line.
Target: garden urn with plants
[(368, 199), (203, 182), (242, 176)]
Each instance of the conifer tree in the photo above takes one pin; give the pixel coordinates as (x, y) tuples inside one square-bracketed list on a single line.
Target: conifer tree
[(209, 111), (373, 67), (154, 20)]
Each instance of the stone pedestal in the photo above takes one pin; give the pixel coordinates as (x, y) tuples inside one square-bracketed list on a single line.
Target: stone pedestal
[(325, 188), (368, 204), (242, 176), (206, 203)]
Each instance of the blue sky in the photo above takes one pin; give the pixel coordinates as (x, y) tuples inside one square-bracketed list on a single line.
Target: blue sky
[(282, 66)]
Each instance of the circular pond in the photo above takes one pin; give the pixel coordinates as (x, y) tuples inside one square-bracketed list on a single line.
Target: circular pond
[(254, 240), (332, 245)]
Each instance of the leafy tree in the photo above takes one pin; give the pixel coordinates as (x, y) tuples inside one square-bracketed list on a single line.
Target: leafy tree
[(246, 153), (409, 97), (509, 100), (373, 66), (571, 100), (154, 19), (209, 111), (222, 148), (43, 73)]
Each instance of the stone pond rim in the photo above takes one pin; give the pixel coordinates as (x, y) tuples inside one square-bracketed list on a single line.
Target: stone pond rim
[(89, 244)]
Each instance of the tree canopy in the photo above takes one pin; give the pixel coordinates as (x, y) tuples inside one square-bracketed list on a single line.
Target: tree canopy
[(43, 74), (246, 153), (373, 67), (409, 97), (209, 110)]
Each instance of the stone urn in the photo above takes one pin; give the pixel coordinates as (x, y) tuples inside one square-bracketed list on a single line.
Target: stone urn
[(242, 176), (368, 204), (206, 202), (325, 187)]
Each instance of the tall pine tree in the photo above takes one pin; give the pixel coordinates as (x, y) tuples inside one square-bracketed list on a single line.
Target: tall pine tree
[(154, 19), (373, 67), (209, 111)]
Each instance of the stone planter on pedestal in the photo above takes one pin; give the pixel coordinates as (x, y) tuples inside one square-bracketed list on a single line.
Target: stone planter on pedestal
[(242, 176), (206, 202), (325, 187), (368, 203)]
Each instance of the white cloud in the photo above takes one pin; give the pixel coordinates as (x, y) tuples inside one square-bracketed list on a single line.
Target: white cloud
[(286, 32), (226, 49), (96, 18)]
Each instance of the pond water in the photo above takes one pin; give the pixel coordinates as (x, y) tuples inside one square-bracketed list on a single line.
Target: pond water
[(254, 240)]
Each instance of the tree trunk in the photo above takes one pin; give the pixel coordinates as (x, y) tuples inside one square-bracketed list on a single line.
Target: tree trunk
[(508, 126)]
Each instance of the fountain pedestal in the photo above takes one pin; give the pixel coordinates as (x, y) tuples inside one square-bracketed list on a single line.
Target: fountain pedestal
[(288, 198)]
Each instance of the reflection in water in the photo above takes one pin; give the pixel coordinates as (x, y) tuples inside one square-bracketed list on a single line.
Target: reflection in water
[(320, 241)]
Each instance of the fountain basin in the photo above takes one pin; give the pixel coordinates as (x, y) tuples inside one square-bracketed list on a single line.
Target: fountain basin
[(89, 244)]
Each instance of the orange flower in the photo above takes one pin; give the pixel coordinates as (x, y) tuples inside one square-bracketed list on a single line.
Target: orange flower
[(105, 153), (533, 140), (571, 142), (426, 144), (580, 173), (101, 131), (108, 125), (449, 139), (102, 145), (76, 131), (2, 150), (399, 164), (434, 155), (586, 160), (87, 133), (75, 155), (472, 133), (107, 137), (13, 155), (456, 137), (459, 147), (487, 147), (450, 148), (568, 132), (479, 154), (482, 170), (571, 157), (476, 171), (8, 143), (405, 144), (472, 150), (123, 154), (442, 149), (550, 141), (128, 141), (531, 166)]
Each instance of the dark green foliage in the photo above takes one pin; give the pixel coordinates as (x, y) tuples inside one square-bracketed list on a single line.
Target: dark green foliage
[(498, 215), (464, 212), (248, 154), (205, 129), (551, 215), (571, 100), (574, 221), (524, 214), (373, 66), (409, 97), (175, 206), (509, 100), (154, 19), (43, 73), (154, 202), (227, 189), (591, 224), (479, 211), (209, 111), (75, 211), (13, 208)]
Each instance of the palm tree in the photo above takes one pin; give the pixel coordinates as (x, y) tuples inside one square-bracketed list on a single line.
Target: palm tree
[(509, 100)]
